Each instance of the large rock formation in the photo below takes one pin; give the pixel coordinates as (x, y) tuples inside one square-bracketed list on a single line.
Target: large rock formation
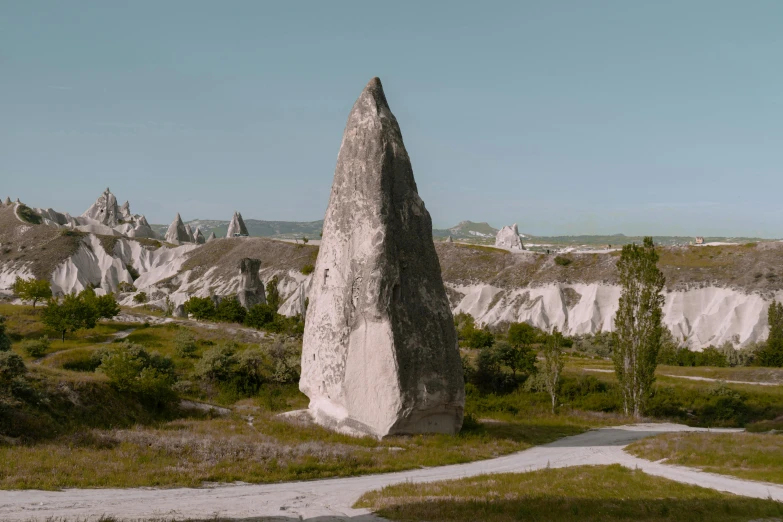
[(237, 226), (211, 236), (189, 232), (105, 210), (508, 237), (251, 289), (7, 200), (177, 233), (380, 353)]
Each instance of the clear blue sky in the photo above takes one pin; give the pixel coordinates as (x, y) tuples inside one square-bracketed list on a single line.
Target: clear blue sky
[(568, 117)]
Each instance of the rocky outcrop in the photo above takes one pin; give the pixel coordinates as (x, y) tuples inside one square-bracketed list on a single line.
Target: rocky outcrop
[(237, 226), (189, 232), (508, 238), (199, 237), (251, 289), (105, 210), (449, 240), (7, 200), (380, 353), (177, 233), (211, 236)]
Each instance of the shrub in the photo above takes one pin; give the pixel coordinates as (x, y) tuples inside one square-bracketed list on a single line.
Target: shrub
[(36, 347), (217, 364), (562, 261), (286, 361), (11, 367), (27, 214), (202, 308), (260, 316), (5, 342), (132, 271), (72, 314), (308, 269), (126, 287), (273, 294), (141, 297), (480, 338), (131, 369), (185, 344), (230, 310)]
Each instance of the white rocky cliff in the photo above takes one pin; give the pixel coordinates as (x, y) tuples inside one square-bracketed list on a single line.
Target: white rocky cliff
[(508, 238), (380, 353)]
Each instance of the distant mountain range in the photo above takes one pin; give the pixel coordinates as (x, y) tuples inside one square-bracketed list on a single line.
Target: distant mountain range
[(464, 231)]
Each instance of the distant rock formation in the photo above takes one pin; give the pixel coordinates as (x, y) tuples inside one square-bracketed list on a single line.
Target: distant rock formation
[(449, 240), (177, 233), (7, 200), (251, 289), (189, 232), (211, 237), (237, 226), (508, 237), (380, 354), (105, 210), (199, 237)]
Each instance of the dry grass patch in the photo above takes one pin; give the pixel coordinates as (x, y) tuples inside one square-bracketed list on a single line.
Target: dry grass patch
[(754, 456), (579, 494)]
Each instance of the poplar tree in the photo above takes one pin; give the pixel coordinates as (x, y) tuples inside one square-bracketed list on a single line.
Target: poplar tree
[(638, 326), (772, 353), (552, 365)]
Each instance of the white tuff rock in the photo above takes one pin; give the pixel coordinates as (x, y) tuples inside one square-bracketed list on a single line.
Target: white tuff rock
[(508, 238), (177, 233), (237, 226), (380, 353)]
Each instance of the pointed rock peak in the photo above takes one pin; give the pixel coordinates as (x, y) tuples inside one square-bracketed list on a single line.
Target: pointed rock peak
[(380, 353), (237, 228), (105, 209), (177, 233), (199, 237), (143, 221), (508, 238), (7, 200), (211, 236)]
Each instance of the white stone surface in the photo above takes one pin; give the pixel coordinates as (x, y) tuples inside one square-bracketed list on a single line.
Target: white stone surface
[(508, 238)]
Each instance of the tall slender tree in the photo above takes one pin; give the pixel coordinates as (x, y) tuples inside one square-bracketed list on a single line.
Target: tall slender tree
[(772, 353), (638, 326), (552, 365)]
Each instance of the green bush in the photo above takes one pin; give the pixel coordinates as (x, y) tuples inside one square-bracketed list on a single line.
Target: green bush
[(230, 310), (141, 297), (562, 261), (185, 344), (202, 308), (11, 367), (217, 364), (260, 315), (5, 341), (131, 369), (480, 338), (308, 269), (36, 347), (27, 214), (273, 294)]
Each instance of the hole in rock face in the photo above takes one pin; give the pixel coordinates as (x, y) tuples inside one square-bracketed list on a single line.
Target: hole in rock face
[(326, 274), (396, 292)]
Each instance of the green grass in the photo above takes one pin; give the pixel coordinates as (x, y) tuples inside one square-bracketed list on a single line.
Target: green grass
[(754, 456), (192, 452), (579, 494)]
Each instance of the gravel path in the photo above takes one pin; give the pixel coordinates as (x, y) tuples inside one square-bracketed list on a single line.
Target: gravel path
[(695, 378), (331, 499)]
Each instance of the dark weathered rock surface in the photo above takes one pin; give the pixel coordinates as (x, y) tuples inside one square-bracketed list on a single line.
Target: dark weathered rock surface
[(251, 288), (380, 351)]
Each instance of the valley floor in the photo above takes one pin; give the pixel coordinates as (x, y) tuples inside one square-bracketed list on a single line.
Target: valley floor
[(333, 498)]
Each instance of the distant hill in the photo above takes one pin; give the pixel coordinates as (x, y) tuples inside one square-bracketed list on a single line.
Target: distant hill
[(467, 230), (256, 228)]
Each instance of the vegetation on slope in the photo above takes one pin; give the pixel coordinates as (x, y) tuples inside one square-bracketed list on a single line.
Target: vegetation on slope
[(753, 456), (579, 494)]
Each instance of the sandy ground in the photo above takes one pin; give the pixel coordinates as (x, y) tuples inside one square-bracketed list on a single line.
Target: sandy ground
[(331, 499)]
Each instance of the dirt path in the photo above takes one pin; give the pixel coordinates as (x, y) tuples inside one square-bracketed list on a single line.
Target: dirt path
[(331, 499), (695, 378)]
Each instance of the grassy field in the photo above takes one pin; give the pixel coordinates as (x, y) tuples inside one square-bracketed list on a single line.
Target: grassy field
[(754, 456), (579, 494)]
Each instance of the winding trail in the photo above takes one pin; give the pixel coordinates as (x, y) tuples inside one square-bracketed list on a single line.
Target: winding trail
[(331, 499), (695, 378)]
